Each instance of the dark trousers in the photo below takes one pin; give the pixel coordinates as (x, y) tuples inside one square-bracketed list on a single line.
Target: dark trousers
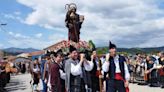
[(62, 85), (95, 84), (44, 86), (36, 79), (154, 77), (115, 86), (162, 80), (78, 88), (8, 77)]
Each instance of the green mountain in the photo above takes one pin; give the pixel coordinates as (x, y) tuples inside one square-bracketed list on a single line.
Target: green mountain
[(102, 50)]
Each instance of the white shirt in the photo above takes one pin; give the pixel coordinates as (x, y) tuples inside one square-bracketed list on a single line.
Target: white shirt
[(77, 69), (105, 67), (36, 69), (102, 60), (62, 74), (156, 61)]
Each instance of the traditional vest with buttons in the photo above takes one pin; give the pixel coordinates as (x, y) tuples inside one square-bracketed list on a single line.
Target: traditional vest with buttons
[(112, 67)]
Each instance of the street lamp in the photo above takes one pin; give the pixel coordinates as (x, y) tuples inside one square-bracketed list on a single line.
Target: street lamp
[(3, 24)]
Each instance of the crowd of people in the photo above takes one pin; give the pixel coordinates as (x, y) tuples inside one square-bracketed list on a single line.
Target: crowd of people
[(5, 70), (147, 69), (88, 72), (80, 72), (9, 67)]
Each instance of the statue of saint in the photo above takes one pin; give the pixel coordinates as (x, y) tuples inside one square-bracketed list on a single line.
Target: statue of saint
[(73, 23)]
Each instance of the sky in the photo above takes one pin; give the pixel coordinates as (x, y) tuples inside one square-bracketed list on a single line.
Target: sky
[(40, 23)]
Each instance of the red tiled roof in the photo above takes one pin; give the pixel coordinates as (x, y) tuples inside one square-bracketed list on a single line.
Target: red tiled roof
[(36, 53), (65, 44)]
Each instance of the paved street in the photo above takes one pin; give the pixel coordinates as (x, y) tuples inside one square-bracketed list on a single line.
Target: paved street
[(139, 88), (20, 83)]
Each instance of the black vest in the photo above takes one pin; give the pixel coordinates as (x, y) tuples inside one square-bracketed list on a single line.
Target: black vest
[(149, 66), (112, 67), (94, 70), (160, 61)]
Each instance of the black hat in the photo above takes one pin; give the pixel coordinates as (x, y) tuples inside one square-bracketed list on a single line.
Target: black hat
[(43, 56), (58, 52), (111, 45), (52, 53), (94, 49), (72, 48), (47, 51), (47, 55)]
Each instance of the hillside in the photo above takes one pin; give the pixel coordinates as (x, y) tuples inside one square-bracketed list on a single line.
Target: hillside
[(132, 50), (16, 51)]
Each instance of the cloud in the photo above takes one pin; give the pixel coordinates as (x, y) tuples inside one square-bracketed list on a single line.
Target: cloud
[(18, 35), (128, 23), (11, 33), (155, 41), (17, 13), (15, 16), (23, 41), (57, 37), (9, 16), (39, 35), (1, 46)]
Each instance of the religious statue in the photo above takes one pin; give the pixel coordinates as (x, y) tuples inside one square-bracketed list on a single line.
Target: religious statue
[(73, 22)]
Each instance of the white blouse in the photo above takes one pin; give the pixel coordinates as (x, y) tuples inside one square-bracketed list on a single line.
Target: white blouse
[(77, 69), (105, 67)]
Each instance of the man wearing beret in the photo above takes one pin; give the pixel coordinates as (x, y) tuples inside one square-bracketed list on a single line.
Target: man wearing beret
[(75, 71), (116, 67)]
